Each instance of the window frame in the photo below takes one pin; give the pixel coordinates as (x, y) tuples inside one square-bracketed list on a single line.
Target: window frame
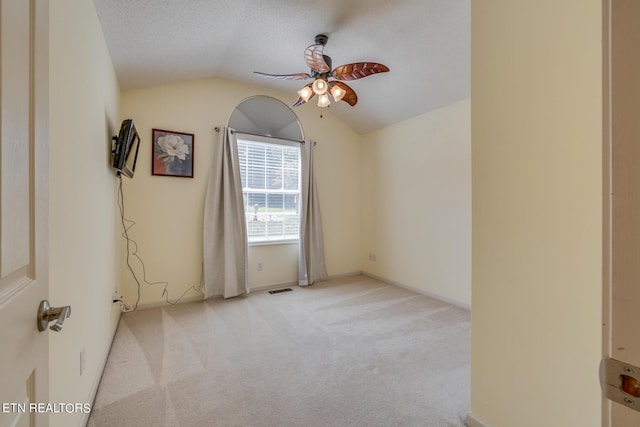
[(273, 141)]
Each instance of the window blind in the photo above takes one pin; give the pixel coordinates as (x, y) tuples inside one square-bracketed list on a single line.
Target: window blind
[(270, 176)]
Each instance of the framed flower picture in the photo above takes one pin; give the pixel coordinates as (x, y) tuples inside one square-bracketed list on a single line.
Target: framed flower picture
[(172, 153)]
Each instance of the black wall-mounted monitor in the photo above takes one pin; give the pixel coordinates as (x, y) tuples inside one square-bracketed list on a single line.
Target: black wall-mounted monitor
[(126, 148)]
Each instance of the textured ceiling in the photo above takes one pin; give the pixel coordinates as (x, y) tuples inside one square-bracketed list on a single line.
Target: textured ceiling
[(425, 43)]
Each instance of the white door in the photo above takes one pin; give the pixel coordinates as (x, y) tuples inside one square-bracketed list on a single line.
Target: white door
[(24, 133), (622, 314)]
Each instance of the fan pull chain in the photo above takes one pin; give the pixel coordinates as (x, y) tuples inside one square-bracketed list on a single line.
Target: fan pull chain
[(321, 111)]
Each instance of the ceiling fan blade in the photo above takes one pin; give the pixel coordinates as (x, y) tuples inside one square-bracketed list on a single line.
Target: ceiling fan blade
[(299, 76), (358, 70), (315, 59), (350, 96), (300, 101)]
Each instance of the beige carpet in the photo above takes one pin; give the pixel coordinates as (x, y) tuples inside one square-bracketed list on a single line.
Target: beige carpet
[(347, 352)]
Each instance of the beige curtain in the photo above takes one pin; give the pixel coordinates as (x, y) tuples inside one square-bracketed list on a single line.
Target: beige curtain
[(225, 231), (311, 266)]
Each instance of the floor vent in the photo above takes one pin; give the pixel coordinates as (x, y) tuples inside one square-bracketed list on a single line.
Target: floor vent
[(277, 291)]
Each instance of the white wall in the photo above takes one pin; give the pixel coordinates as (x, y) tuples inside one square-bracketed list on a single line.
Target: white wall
[(84, 248), (536, 109), (416, 203), (168, 210)]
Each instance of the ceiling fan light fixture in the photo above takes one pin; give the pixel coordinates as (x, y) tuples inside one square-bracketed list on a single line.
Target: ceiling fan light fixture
[(320, 86), (338, 93), (305, 93), (323, 100), (321, 72)]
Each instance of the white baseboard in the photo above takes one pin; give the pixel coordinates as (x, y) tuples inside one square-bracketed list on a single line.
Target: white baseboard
[(259, 288), (272, 286), (473, 421), (419, 291), (343, 275), (192, 298)]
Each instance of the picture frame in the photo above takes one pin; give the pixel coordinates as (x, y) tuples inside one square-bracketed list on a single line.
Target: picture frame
[(172, 153)]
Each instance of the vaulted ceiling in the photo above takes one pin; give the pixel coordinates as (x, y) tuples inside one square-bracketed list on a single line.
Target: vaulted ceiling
[(425, 43)]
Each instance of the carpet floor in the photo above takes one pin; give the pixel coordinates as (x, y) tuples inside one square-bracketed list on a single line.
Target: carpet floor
[(347, 352)]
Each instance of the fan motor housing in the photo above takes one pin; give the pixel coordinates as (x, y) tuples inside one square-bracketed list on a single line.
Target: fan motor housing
[(321, 39)]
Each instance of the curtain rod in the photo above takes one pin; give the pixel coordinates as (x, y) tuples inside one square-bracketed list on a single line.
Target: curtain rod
[(217, 129)]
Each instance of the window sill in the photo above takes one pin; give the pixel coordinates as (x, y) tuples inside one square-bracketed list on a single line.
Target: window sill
[(275, 242)]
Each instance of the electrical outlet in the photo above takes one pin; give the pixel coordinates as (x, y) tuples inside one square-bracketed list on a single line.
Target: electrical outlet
[(260, 266), (372, 257)]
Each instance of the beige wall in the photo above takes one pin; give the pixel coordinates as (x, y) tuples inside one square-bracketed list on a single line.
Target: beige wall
[(168, 211), (536, 109), (416, 203), (84, 247)]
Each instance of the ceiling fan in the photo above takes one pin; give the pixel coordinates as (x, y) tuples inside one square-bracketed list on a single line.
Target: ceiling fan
[(320, 65)]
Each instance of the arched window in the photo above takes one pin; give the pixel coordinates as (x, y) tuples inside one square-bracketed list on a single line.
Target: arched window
[(266, 116), (268, 135)]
